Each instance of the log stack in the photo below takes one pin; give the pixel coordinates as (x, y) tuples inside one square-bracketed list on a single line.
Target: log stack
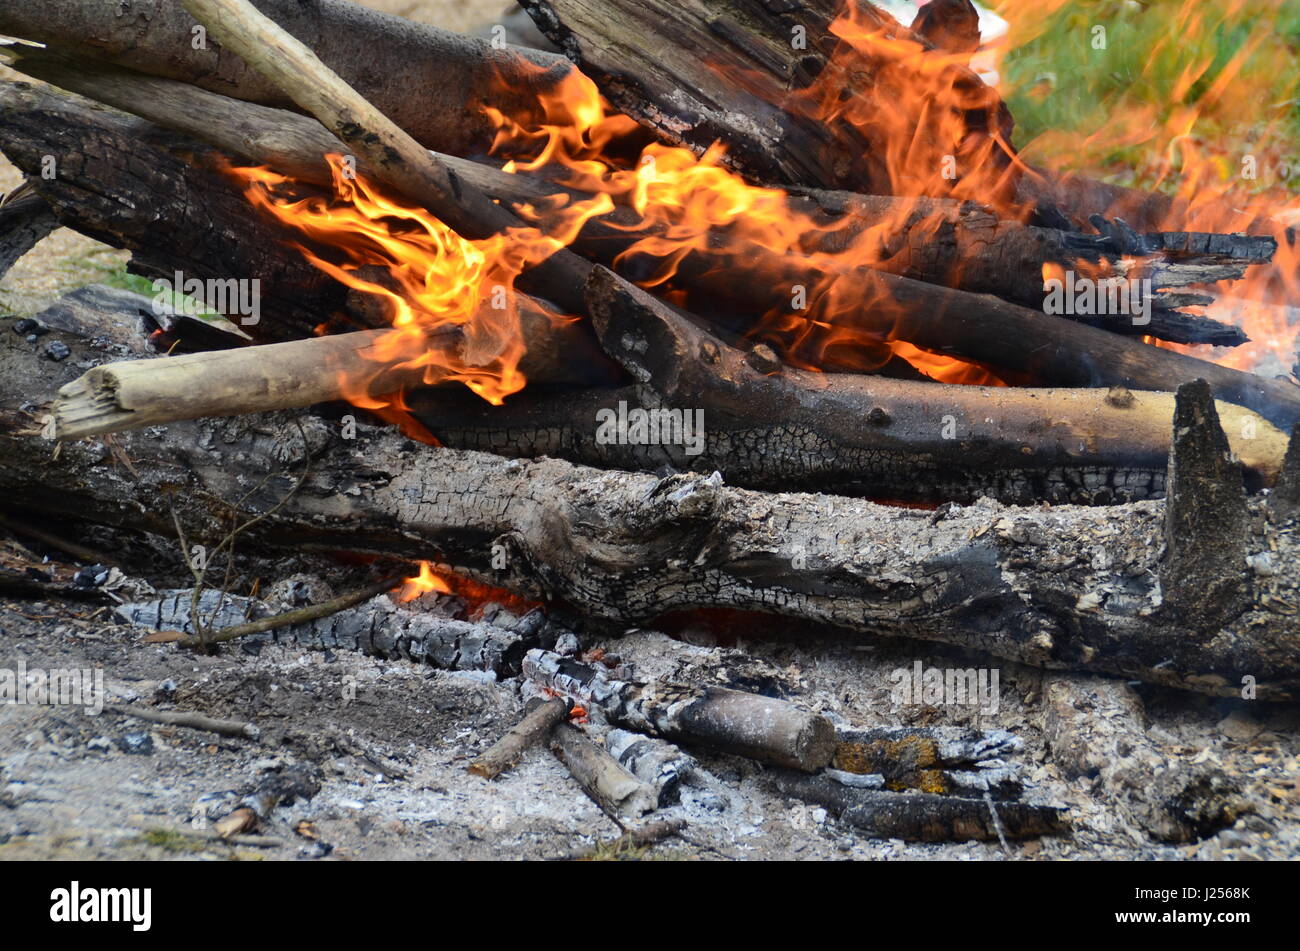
[(1056, 521)]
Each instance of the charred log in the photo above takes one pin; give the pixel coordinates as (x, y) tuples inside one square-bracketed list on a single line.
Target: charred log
[(1059, 587)]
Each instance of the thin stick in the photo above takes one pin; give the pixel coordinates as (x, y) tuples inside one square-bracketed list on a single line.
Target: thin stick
[(395, 157), (506, 751), (195, 721), (297, 616)]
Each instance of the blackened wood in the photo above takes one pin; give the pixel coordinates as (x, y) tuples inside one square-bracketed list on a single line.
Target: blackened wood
[(431, 82), (25, 218), (1059, 587), (733, 721), (131, 185), (376, 627), (922, 817), (1206, 532)]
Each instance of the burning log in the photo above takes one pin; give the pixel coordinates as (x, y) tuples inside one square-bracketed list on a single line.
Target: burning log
[(391, 152), (626, 548), (541, 718), (294, 374), (839, 432), (618, 793), (429, 81), (178, 212), (194, 231), (757, 77), (931, 240), (923, 817)]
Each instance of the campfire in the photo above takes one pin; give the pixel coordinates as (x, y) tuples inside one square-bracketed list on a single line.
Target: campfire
[(739, 314)]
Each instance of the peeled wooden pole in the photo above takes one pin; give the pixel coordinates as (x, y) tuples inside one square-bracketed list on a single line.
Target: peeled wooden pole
[(133, 394), (394, 157)]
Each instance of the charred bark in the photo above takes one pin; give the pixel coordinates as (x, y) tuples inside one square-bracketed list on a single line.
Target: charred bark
[(1062, 587), (768, 426), (697, 73), (932, 240), (430, 82)]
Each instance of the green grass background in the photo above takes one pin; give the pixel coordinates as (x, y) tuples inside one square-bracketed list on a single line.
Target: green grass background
[(1069, 99)]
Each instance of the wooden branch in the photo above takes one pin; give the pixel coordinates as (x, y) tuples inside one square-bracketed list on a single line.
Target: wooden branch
[(617, 792), (732, 721), (932, 240), (396, 158), (25, 219), (373, 626), (431, 82), (1057, 587), (922, 817), (766, 426), (537, 723), (297, 373), (195, 721)]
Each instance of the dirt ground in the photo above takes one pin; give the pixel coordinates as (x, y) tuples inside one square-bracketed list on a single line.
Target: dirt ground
[(388, 742)]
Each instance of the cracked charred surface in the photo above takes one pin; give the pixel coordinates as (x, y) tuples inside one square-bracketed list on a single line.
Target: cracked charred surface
[(173, 209), (431, 82), (1061, 587), (845, 433), (698, 73)]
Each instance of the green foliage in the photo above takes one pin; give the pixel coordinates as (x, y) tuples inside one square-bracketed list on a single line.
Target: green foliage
[(1121, 107)]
